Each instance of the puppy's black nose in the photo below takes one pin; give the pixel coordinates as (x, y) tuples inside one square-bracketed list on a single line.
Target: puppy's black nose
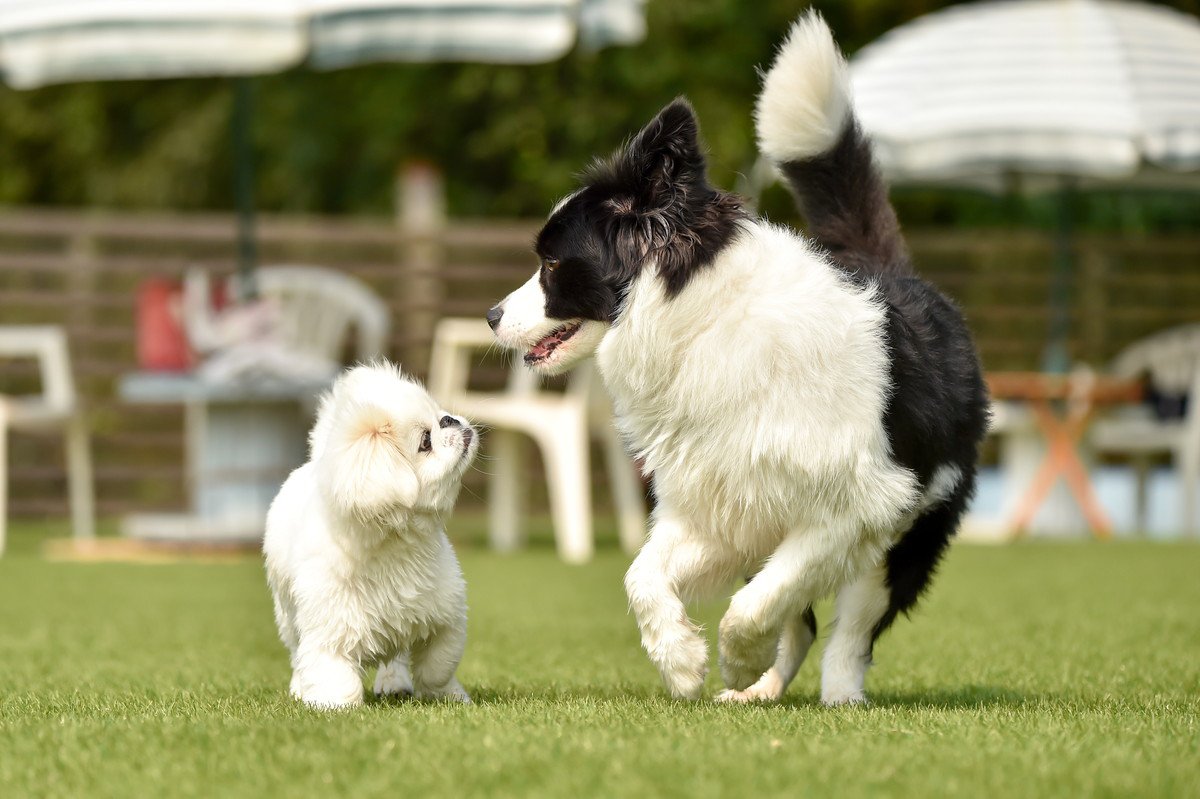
[(447, 421), (493, 317)]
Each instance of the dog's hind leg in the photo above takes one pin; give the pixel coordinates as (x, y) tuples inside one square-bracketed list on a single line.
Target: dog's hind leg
[(434, 662), (859, 607), (799, 632), (868, 605), (393, 678), (807, 565)]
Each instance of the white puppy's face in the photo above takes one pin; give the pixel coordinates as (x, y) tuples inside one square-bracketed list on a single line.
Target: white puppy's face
[(382, 446)]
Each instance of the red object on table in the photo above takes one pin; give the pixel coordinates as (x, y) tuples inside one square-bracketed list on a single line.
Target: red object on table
[(162, 344), (1080, 392)]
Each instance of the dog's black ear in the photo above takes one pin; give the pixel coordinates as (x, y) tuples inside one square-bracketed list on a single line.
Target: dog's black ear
[(666, 153), (660, 203)]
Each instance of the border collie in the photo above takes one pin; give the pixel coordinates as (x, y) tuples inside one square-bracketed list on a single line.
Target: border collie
[(810, 411)]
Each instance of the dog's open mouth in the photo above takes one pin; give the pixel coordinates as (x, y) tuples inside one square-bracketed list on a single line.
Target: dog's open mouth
[(541, 352)]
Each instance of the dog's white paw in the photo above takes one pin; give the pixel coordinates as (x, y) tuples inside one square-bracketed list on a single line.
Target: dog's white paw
[(769, 688), (330, 698), (840, 697), (745, 654), (393, 679), (683, 663), (451, 691)]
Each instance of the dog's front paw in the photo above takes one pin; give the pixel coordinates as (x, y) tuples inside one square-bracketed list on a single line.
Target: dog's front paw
[(683, 663), (768, 688), (393, 679), (327, 682), (745, 654), (325, 698)]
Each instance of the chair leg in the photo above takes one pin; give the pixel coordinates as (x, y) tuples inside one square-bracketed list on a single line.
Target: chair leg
[(79, 479), (627, 492), (1189, 475), (567, 476), (1141, 472), (505, 490), (3, 475)]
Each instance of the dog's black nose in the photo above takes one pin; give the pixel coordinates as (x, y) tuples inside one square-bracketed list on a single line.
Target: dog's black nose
[(447, 421), (493, 317)]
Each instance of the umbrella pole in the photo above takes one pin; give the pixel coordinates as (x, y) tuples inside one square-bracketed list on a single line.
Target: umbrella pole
[(1056, 357), (243, 155)]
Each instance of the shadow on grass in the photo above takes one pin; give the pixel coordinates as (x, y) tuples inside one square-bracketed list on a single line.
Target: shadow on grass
[(961, 698)]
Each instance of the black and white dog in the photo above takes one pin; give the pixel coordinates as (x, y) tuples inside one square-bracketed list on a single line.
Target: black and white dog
[(810, 409)]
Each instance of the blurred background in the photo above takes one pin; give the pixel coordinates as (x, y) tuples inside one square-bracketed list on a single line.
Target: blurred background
[(174, 251)]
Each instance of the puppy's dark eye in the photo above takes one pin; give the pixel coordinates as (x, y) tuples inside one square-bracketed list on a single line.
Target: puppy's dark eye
[(426, 442), (549, 264)]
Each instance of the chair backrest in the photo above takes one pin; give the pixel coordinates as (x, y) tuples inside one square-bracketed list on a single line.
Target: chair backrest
[(48, 345), (318, 306), (1170, 359)]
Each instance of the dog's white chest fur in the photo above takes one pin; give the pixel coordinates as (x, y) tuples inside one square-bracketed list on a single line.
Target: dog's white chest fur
[(755, 395)]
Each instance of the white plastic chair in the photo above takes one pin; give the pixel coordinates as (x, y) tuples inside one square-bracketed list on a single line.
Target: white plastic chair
[(1171, 361), (298, 333), (561, 424), (320, 305), (55, 408)]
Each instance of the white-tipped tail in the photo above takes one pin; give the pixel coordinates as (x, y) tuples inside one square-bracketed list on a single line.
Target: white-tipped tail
[(805, 99)]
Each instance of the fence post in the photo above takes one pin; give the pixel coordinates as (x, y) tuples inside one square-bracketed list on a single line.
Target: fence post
[(421, 218)]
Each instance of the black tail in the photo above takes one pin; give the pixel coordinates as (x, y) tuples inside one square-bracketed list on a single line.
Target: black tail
[(806, 126)]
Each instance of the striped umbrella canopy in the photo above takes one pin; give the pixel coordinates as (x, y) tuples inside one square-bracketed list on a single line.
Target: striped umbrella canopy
[(1091, 89), (1057, 93), (61, 41), (45, 42)]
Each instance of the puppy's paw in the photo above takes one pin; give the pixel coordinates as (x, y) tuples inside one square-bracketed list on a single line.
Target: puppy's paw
[(451, 691), (769, 688), (683, 663), (745, 654), (330, 699), (393, 679), (327, 682)]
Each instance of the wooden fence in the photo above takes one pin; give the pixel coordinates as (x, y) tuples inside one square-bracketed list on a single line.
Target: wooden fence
[(82, 269)]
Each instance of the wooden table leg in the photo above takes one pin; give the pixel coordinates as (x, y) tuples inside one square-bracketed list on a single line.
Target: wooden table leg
[(1062, 458)]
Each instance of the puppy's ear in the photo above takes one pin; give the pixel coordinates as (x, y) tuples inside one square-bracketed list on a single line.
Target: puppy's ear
[(362, 467)]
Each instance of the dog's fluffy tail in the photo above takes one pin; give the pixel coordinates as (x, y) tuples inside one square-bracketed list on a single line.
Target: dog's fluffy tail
[(806, 126)]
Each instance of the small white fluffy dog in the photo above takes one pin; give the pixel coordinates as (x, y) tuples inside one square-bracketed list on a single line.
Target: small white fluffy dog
[(356, 551)]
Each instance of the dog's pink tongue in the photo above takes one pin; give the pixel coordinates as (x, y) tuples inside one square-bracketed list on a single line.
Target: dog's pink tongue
[(542, 348)]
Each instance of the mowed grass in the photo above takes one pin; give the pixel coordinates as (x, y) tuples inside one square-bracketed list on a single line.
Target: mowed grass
[(1042, 669)]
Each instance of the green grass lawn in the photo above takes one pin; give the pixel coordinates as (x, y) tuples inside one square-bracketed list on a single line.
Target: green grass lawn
[(1033, 670)]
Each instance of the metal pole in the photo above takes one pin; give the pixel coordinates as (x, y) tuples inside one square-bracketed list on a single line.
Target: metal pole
[(1057, 358), (243, 160)]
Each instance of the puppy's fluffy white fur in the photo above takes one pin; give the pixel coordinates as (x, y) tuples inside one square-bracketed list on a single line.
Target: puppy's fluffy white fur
[(357, 558)]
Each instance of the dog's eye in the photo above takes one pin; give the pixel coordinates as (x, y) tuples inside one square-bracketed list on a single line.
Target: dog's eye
[(426, 442), (549, 264)]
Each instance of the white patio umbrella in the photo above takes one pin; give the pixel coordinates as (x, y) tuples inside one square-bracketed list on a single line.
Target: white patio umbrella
[(1095, 89), (1058, 92), (45, 42)]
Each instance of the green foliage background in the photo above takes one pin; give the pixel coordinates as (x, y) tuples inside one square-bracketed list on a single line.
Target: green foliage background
[(509, 138)]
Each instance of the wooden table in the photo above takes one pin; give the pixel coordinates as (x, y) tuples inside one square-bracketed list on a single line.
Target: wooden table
[(1076, 396)]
